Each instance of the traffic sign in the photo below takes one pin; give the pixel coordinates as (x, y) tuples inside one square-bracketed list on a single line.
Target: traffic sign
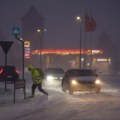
[(6, 45), (16, 31)]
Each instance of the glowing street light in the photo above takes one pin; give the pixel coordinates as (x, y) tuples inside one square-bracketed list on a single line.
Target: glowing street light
[(38, 30), (78, 18)]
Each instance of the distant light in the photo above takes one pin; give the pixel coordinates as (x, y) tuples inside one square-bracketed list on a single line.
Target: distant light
[(82, 59), (38, 30), (45, 30), (88, 64), (109, 60), (21, 38), (102, 60), (78, 18), (97, 51)]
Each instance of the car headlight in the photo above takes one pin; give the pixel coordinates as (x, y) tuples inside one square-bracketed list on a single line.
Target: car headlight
[(49, 77), (73, 82), (98, 82)]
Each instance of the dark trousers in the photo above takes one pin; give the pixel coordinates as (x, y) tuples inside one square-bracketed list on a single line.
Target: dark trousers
[(34, 86)]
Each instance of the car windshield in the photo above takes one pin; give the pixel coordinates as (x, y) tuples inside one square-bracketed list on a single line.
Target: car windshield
[(77, 73), (54, 71)]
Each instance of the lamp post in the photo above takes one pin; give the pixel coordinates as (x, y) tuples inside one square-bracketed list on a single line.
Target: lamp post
[(78, 18), (39, 31), (41, 43)]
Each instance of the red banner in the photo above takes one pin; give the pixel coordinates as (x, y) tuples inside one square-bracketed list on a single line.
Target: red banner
[(93, 24), (90, 23)]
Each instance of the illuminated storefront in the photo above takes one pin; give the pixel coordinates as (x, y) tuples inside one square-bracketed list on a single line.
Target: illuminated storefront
[(65, 58), (71, 59)]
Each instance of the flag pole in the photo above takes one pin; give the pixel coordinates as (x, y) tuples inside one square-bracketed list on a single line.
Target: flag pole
[(91, 41), (85, 47)]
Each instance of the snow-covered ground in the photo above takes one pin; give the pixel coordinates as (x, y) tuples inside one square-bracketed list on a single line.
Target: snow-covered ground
[(62, 106)]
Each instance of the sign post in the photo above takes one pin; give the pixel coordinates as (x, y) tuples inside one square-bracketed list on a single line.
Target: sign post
[(16, 33), (6, 45)]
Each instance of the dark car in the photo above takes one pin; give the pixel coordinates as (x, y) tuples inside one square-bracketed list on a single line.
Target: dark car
[(8, 73), (81, 80), (54, 75)]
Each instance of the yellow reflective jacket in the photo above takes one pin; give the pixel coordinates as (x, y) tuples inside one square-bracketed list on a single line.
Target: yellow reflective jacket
[(37, 76)]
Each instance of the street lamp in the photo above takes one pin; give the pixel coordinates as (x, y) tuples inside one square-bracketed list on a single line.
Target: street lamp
[(78, 19), (41, 43), (39, 31)]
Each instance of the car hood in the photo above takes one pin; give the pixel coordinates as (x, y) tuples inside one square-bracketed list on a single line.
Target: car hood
[(84, 78)]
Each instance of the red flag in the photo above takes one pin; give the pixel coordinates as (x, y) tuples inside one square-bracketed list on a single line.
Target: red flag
[(93, 24), (87, 23), (90, 23)]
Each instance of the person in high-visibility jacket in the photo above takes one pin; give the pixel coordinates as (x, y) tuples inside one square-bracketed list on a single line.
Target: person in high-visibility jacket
[(37, 78)]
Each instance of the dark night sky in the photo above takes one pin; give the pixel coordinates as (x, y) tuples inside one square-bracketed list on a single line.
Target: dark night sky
[(62, 29)]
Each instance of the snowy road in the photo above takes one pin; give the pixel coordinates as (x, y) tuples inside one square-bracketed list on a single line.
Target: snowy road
[(77, 107), (61, 106)]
